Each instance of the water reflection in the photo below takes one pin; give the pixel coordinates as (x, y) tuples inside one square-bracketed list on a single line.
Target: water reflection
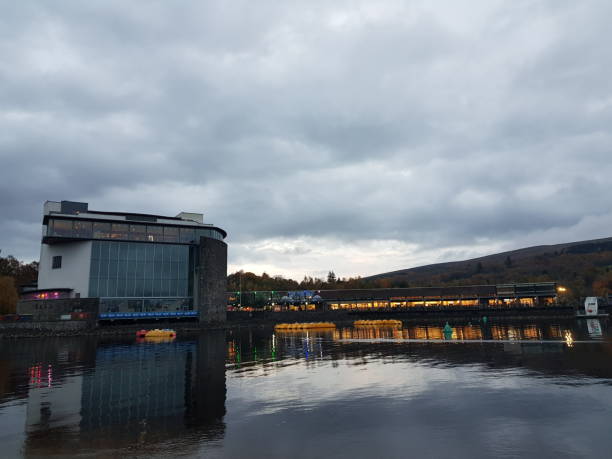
[(526, 345), (360, 391), (97, 394)]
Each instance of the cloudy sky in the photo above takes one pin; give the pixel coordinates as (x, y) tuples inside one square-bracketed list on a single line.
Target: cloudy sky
[(357, 136)]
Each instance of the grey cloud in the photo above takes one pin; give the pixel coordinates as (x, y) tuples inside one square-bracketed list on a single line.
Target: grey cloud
[(418, 123)]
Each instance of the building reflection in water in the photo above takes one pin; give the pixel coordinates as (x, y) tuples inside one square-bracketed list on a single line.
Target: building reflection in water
[(544, 346), (129, 395)]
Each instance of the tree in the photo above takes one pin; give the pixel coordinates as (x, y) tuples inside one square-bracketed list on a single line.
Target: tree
[(508, 261), (331, 277), (22, 273), (8, 295)]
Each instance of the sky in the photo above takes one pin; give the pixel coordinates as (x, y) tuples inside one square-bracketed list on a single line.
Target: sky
[(353, 136)]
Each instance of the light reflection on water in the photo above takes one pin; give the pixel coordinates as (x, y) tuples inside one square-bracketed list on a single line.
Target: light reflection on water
[(486, 390)]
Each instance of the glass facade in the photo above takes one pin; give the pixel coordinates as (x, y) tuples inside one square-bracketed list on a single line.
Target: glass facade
[(140, 276), (78, 228)]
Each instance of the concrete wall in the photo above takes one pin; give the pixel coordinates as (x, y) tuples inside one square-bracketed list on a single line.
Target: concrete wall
[(74, 273), (212, 280), (52, 310)]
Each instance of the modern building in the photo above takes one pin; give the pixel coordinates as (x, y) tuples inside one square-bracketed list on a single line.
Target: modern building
[(138, 265)]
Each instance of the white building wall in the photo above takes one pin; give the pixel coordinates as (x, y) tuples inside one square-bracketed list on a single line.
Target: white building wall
[(74, 273)]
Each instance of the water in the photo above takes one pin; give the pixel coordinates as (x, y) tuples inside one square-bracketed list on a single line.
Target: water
[(541, 389)]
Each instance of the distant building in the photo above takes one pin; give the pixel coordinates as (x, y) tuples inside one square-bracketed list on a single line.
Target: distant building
[(138, 265), (539, 294)]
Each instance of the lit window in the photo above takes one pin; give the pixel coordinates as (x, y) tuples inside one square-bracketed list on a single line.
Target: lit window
[(56, 262)]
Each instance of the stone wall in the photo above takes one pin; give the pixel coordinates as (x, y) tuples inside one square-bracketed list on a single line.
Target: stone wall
[(53, 310), (212, 280), (55, 328)]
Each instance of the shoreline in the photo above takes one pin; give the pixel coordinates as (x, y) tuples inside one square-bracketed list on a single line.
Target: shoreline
[(9, 331)]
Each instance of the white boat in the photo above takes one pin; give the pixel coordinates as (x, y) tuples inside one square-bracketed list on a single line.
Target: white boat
[(591, 308)]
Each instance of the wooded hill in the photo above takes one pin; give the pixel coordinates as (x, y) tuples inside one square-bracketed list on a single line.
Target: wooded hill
[(584, 267)]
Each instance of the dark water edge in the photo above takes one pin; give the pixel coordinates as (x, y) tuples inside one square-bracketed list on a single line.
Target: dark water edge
[(540, 388), (13, 330)]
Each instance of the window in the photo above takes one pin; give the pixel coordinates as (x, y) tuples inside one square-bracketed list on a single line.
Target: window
[(138, 232), (155, 233), (62, 228), (82, 229), (171, 234), (56, 262), (101, 230), (187, 235), (119, 231)]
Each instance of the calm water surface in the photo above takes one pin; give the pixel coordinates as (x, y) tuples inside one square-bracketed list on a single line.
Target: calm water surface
[(541, 389)]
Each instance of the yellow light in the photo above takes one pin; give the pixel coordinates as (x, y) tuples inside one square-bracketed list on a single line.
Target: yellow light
[(569, 339), (561, 289)]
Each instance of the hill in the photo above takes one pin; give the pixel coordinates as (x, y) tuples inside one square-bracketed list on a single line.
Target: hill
[(583, 267)]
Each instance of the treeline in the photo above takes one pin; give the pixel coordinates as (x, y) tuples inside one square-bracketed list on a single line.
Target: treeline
[(248, 281), (14, 274), (583, 272)]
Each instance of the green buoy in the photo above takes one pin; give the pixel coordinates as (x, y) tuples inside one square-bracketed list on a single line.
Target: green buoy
[(448, 331)]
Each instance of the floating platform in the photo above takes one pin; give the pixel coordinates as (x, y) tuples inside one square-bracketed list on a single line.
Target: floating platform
[(157, 333), (378, 323), (305, 326)]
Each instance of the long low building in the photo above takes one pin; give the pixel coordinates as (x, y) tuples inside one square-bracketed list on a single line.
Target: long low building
[(532, 294), (523, 294)]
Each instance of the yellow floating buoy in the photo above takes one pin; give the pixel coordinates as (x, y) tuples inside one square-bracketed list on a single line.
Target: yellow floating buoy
[(160, 333), (384, 322), (304, 325)]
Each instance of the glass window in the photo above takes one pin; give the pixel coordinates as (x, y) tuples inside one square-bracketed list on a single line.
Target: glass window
[(138, 233), (101, 230), (140, 270), (121, 287), (104, 250), (147, 287), (104, 269), (138, 287), (122, 269), (155, 233), (62, 228), (135, 305), (113, 251), (102, 287), (95, 268), (82, 229), (187, 235), (149, 270), (123, 250), (141, 252), (167, 270), (182, 287), (112, 287), (56, 262), (132, 265), (163, 287), (171, 234), (119, 231), (158, 254), (93, 286)]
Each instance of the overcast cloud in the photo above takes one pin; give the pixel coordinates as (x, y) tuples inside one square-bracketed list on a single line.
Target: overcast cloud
[(357, 136)]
